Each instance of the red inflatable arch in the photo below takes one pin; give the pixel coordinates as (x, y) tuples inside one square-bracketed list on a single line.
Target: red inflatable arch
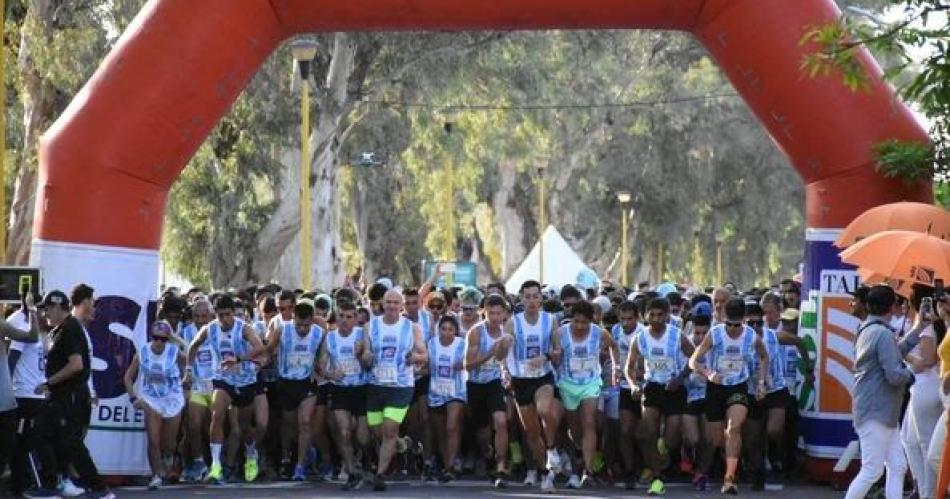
[(107, 164)]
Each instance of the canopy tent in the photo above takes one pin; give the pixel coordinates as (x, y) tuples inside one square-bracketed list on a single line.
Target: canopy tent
[(561, 263)]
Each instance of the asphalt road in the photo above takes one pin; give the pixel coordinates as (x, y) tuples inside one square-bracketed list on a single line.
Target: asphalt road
[(461, 488)]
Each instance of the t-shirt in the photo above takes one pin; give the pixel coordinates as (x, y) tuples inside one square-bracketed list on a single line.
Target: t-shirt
[(930, 373), (66, 340), (7, 400), (30, 369)]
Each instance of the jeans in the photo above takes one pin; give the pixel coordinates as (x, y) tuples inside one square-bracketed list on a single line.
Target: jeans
[(880, 448)]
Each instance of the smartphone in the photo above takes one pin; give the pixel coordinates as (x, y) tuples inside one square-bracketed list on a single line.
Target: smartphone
[(927, 308), (938, 289)]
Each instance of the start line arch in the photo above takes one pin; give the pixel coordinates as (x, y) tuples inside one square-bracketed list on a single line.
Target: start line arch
[(107, 164)]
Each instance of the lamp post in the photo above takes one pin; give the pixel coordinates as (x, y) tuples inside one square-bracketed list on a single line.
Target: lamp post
[(719, 241), (624, 198), (304, 50), (541, 168)]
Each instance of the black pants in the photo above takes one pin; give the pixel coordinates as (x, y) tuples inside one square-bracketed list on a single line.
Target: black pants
[(60, 429), (21, 471), (7, 435)]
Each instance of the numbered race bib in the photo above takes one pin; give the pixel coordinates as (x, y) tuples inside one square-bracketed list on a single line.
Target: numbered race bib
[(530, 371), (442, 387), (582, 364), (350, 367), (661, 365), (729, 366), (155, 377), (385, 374), (791, 367), (205, 358)]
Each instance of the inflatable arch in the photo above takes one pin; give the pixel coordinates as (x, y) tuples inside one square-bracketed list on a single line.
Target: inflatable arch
[(107, 163)]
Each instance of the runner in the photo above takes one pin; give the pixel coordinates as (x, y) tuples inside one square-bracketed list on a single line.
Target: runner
[(731, 347), (198, 376), (664, 351), (471, 299), (340, 360), (157, 368), (235, 347), (447, 395), (579, 380), (394, 344), (296, 348), (766, 419), (697, 453), (418, 417), (486, 349), (624, 334), (532, 380)]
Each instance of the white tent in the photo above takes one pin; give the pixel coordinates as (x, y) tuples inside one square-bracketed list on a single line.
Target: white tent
[(561, 263)]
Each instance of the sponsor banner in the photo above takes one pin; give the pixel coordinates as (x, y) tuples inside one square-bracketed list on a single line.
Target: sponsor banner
[(827, 283), (126, 283)]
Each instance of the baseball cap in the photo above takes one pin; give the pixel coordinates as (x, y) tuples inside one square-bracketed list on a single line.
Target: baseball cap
[(665, 289), (305, 306), (55, 297), (385, 281), (604, 303), (702, 308), (790, 314)]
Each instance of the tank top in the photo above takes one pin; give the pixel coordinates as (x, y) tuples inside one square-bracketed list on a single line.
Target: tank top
[(159, 375), (624, 340), (391, 344), (581, 362), (530, 341), (446, 383), (776, 376), (203, 366), (731, 357), (662, 357), (696, 383), (231, 344), (342, 354), (491, 369), (297, 353), (425, 323)]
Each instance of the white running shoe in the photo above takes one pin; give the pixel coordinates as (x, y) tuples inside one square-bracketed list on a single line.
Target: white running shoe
[(343, 476), (547, 482), (155, 483), (531, 478), (69, 489), (574, 482), (567, 468), (554, 461)]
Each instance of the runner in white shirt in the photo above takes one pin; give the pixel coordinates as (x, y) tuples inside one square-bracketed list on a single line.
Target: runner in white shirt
[(447, 389), (624, 334), (154, 384)]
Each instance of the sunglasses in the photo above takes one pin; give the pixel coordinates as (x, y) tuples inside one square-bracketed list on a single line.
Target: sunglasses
[(733, 323), (755, 323), (160, 338)]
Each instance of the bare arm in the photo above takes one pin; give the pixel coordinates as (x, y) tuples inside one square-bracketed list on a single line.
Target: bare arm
[(474, 358), (257, 346), (273, 340), (556, 352), (630, 368), (697, 362), (130, 374), (29, 336), (419, 354)]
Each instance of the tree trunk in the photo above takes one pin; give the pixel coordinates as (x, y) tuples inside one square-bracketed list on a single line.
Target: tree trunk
[(38, 113), (509, 219)]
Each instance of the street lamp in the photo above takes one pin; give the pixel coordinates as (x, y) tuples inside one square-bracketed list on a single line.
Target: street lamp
[(304, 50), (541, 167), (624, 198)]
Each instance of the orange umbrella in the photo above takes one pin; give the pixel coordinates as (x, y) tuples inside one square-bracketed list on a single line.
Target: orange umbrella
[(901, 287), (904, 255), (917, 217)]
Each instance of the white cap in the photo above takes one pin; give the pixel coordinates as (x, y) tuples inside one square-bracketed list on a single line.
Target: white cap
[(604, 303)]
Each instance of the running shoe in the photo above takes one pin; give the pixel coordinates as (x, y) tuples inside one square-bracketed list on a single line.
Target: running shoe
[(428, 472), (69, 489), (501, 481), (300, 473), (656, 488), (547, 482), (325, 472), (554, 461), (216, 474), (587, 479), (574, 482), (700, 482), (446, 477), (156, 483), (531, 478), (250, 470), (379, 485), (286, 468), (775, 481), (200, 469), (353, 482), (729, 486)]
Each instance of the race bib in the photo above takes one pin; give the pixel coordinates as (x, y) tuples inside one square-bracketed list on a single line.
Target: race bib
[(204, 358), (299, 361), (388, 353), (156, 377), (582, 364), (444, 371), (791, 367), (442, 387), (385, 374), (350, 367), (530, 371), (730, 366), (660, 365)]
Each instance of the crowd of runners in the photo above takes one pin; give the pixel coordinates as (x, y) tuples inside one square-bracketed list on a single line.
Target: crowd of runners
[(567, 387)]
